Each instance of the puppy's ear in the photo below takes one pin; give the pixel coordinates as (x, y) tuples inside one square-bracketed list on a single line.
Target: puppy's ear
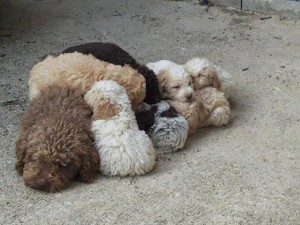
[(90, 164), (102, 107), (212, 74), (104, 110), (21, 149), (162, 77)]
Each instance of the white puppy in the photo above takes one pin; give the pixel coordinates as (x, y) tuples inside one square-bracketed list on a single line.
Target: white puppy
[(206, 74), (123, 148), (169, 131), (176, 83)]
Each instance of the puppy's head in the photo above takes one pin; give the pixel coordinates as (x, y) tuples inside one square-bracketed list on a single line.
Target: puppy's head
[(47, 170), (107, 98), (175, 82), (203, 72)]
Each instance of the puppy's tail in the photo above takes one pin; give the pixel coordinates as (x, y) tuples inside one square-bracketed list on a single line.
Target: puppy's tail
[(226, 80)]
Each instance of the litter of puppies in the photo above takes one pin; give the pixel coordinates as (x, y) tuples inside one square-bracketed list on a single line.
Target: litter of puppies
[(94, 108)]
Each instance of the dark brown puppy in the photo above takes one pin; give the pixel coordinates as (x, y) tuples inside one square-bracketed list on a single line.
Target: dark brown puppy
[(145, 119), (55, 144), (114, 54)]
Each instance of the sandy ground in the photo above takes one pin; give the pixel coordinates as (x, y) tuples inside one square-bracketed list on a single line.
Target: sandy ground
[(246, 173)]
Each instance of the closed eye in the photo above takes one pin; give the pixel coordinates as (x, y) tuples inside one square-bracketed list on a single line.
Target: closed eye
[(176, 86)]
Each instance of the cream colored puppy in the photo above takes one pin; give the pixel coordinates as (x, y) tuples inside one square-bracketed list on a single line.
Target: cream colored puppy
[(123, 148), (206, 74), (79, 72), (175, 82)]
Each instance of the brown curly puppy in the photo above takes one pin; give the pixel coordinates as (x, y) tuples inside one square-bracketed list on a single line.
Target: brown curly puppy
[(55, 143), (80, 72)]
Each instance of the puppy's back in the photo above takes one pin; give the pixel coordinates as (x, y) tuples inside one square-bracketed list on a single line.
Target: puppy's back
[(112, 53), (105, 51), (55, 111)]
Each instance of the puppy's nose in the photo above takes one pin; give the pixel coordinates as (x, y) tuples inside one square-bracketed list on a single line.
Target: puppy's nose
[(43, 185), (189, 97)]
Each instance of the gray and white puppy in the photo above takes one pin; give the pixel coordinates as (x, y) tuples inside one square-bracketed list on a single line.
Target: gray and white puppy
[(169, 130)]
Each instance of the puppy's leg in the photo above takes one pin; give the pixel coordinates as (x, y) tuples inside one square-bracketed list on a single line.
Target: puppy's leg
[(90, 164), (217, 104), (219, 116), (20, 155)]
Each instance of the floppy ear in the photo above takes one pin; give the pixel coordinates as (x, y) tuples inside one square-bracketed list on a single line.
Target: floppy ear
[(90, 164), (104, 110), (21, 150), (212, 74), (102, 107), (162, 77)]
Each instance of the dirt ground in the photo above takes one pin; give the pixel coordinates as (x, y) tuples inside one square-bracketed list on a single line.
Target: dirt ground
[(245, 173)]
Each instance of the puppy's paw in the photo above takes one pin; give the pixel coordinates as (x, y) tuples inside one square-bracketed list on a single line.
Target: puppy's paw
[(219, 116)]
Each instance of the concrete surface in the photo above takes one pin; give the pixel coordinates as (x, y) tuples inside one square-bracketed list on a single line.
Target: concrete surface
[(228, 3), (289, 8), (246, 173)]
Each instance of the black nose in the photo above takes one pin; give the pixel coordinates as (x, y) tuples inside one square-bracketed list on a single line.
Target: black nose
[(43, 185), (189, 97)]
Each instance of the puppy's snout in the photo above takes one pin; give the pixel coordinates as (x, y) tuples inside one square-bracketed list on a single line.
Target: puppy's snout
[(189, 97), (43, 185)]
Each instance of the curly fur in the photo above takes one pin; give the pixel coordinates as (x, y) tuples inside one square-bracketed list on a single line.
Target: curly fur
[(123, 148), (55, 143), (217, 104), (169, 131), (195, 112), (176, 84), (206, 74), (114, 54), (79, 71), (209, 108)]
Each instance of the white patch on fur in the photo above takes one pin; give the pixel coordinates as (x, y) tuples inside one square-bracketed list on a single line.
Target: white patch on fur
[(168, 133), (123, 148)]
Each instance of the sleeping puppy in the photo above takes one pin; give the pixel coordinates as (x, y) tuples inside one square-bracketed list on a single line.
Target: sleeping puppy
[(206, 74), (168, 131), (55, 143), (176, 83), (124, 149), (207, 106), (80, 72), (114, 54)]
